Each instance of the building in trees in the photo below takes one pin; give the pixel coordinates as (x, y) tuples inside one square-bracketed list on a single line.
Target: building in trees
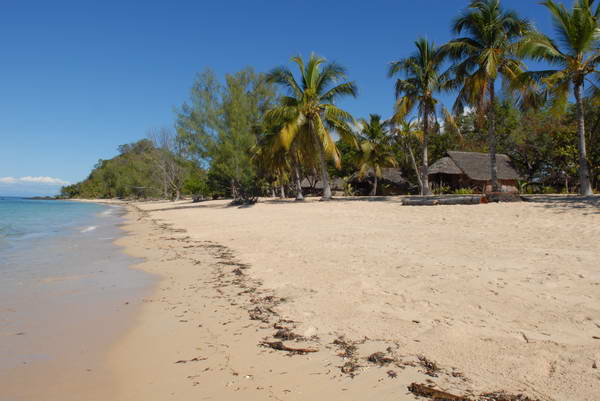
[(472, 170)]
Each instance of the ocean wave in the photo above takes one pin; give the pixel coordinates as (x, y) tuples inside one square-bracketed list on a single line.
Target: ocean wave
[(8, 231), (88, 229)]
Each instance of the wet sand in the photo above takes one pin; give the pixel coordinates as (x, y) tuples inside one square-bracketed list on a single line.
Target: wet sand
[(63, 304)]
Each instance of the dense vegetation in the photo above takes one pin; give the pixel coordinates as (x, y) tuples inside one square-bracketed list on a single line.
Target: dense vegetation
[(257, 134)]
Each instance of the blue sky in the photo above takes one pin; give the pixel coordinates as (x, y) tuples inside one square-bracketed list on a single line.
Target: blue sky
[(79, 78)]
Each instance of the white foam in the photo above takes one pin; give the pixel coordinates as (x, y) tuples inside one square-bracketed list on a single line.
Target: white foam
[(88, 229)]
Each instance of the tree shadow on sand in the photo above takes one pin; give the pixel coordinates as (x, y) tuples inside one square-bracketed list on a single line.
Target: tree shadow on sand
[(565, 203), (190, 205)]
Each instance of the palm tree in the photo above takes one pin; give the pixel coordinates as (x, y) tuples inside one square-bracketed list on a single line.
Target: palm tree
[(406, 134), (375, 149), (271, 157), (486, 52), (577, 58), (422, 79), (308, 113)]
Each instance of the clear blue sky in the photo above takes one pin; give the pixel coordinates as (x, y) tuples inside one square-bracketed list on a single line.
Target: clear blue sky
[(79, 78)]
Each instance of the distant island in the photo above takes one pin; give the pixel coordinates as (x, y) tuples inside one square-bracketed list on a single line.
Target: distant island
[(43, 198)]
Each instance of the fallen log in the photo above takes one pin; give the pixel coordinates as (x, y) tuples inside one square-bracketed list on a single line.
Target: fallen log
[(280, 346), (420, 202), (462, 200), (503, 197), (451, 200)]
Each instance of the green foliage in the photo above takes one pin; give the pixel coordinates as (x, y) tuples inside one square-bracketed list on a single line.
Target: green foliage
[(464, 191), (196, 185), (307, 117), (131, 174), (441, 189), (375, 146), (219, 127)]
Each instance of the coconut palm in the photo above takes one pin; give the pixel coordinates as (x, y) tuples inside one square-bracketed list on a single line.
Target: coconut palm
[(375, 149), (577, 56), (422, 78), (308, 114), (407, 134), (273, 158), (486, 52)]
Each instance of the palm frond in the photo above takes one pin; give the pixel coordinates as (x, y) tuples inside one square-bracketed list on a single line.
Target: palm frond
[(341, 90)]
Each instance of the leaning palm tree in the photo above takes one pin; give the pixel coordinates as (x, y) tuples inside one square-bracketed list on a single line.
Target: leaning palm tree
[(409, 135), (308, 114), (422, 78), (375, 149), (577, 58), (486, 52)]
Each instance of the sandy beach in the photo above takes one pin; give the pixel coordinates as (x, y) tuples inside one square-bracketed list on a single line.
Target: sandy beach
[(472, 299)]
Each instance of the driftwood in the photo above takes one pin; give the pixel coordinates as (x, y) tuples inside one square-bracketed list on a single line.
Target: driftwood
[(437, 395), (380, 359), (454, 200), (280, 346), (503, 197), (197, 359)]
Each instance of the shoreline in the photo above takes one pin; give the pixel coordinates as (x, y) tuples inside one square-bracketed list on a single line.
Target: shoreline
[(247, 305), (217, 330), (71, 300)]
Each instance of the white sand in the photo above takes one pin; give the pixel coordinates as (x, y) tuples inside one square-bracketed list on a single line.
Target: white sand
[(508, 294)]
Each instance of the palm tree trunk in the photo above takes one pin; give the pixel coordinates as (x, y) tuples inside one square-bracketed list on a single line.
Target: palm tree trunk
[(414, 163), (323, 164), (585, 187), (281, 186), (296, 167), (374, 189), (425, 190), (492, 138)]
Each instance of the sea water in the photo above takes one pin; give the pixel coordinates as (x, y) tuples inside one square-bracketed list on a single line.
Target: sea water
[(65, 288)]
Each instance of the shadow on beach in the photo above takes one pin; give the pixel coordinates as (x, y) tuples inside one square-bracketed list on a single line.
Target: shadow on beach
[(563, 203)]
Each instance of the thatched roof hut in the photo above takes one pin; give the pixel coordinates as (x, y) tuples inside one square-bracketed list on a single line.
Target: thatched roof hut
[(391, 182), (472, 170), (315, 185)]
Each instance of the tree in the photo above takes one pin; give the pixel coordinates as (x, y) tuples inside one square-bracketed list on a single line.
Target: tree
[(168, 161), (577, 56), (308, 114), (488, 51), (220, 127), (375, 149), (408, 136), (137, 173), (273, 159), (422, 79)]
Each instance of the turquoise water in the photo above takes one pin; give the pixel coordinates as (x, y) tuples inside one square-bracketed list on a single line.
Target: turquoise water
[(23, 219), (66, 289)]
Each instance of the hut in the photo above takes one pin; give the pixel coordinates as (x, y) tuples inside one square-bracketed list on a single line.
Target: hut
[(312, 185), (391, 182), (472, 170)]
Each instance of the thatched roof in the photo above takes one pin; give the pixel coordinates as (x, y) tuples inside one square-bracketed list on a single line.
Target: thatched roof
[(474, 165), (391, 174), (444, 166), (336, 184)]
